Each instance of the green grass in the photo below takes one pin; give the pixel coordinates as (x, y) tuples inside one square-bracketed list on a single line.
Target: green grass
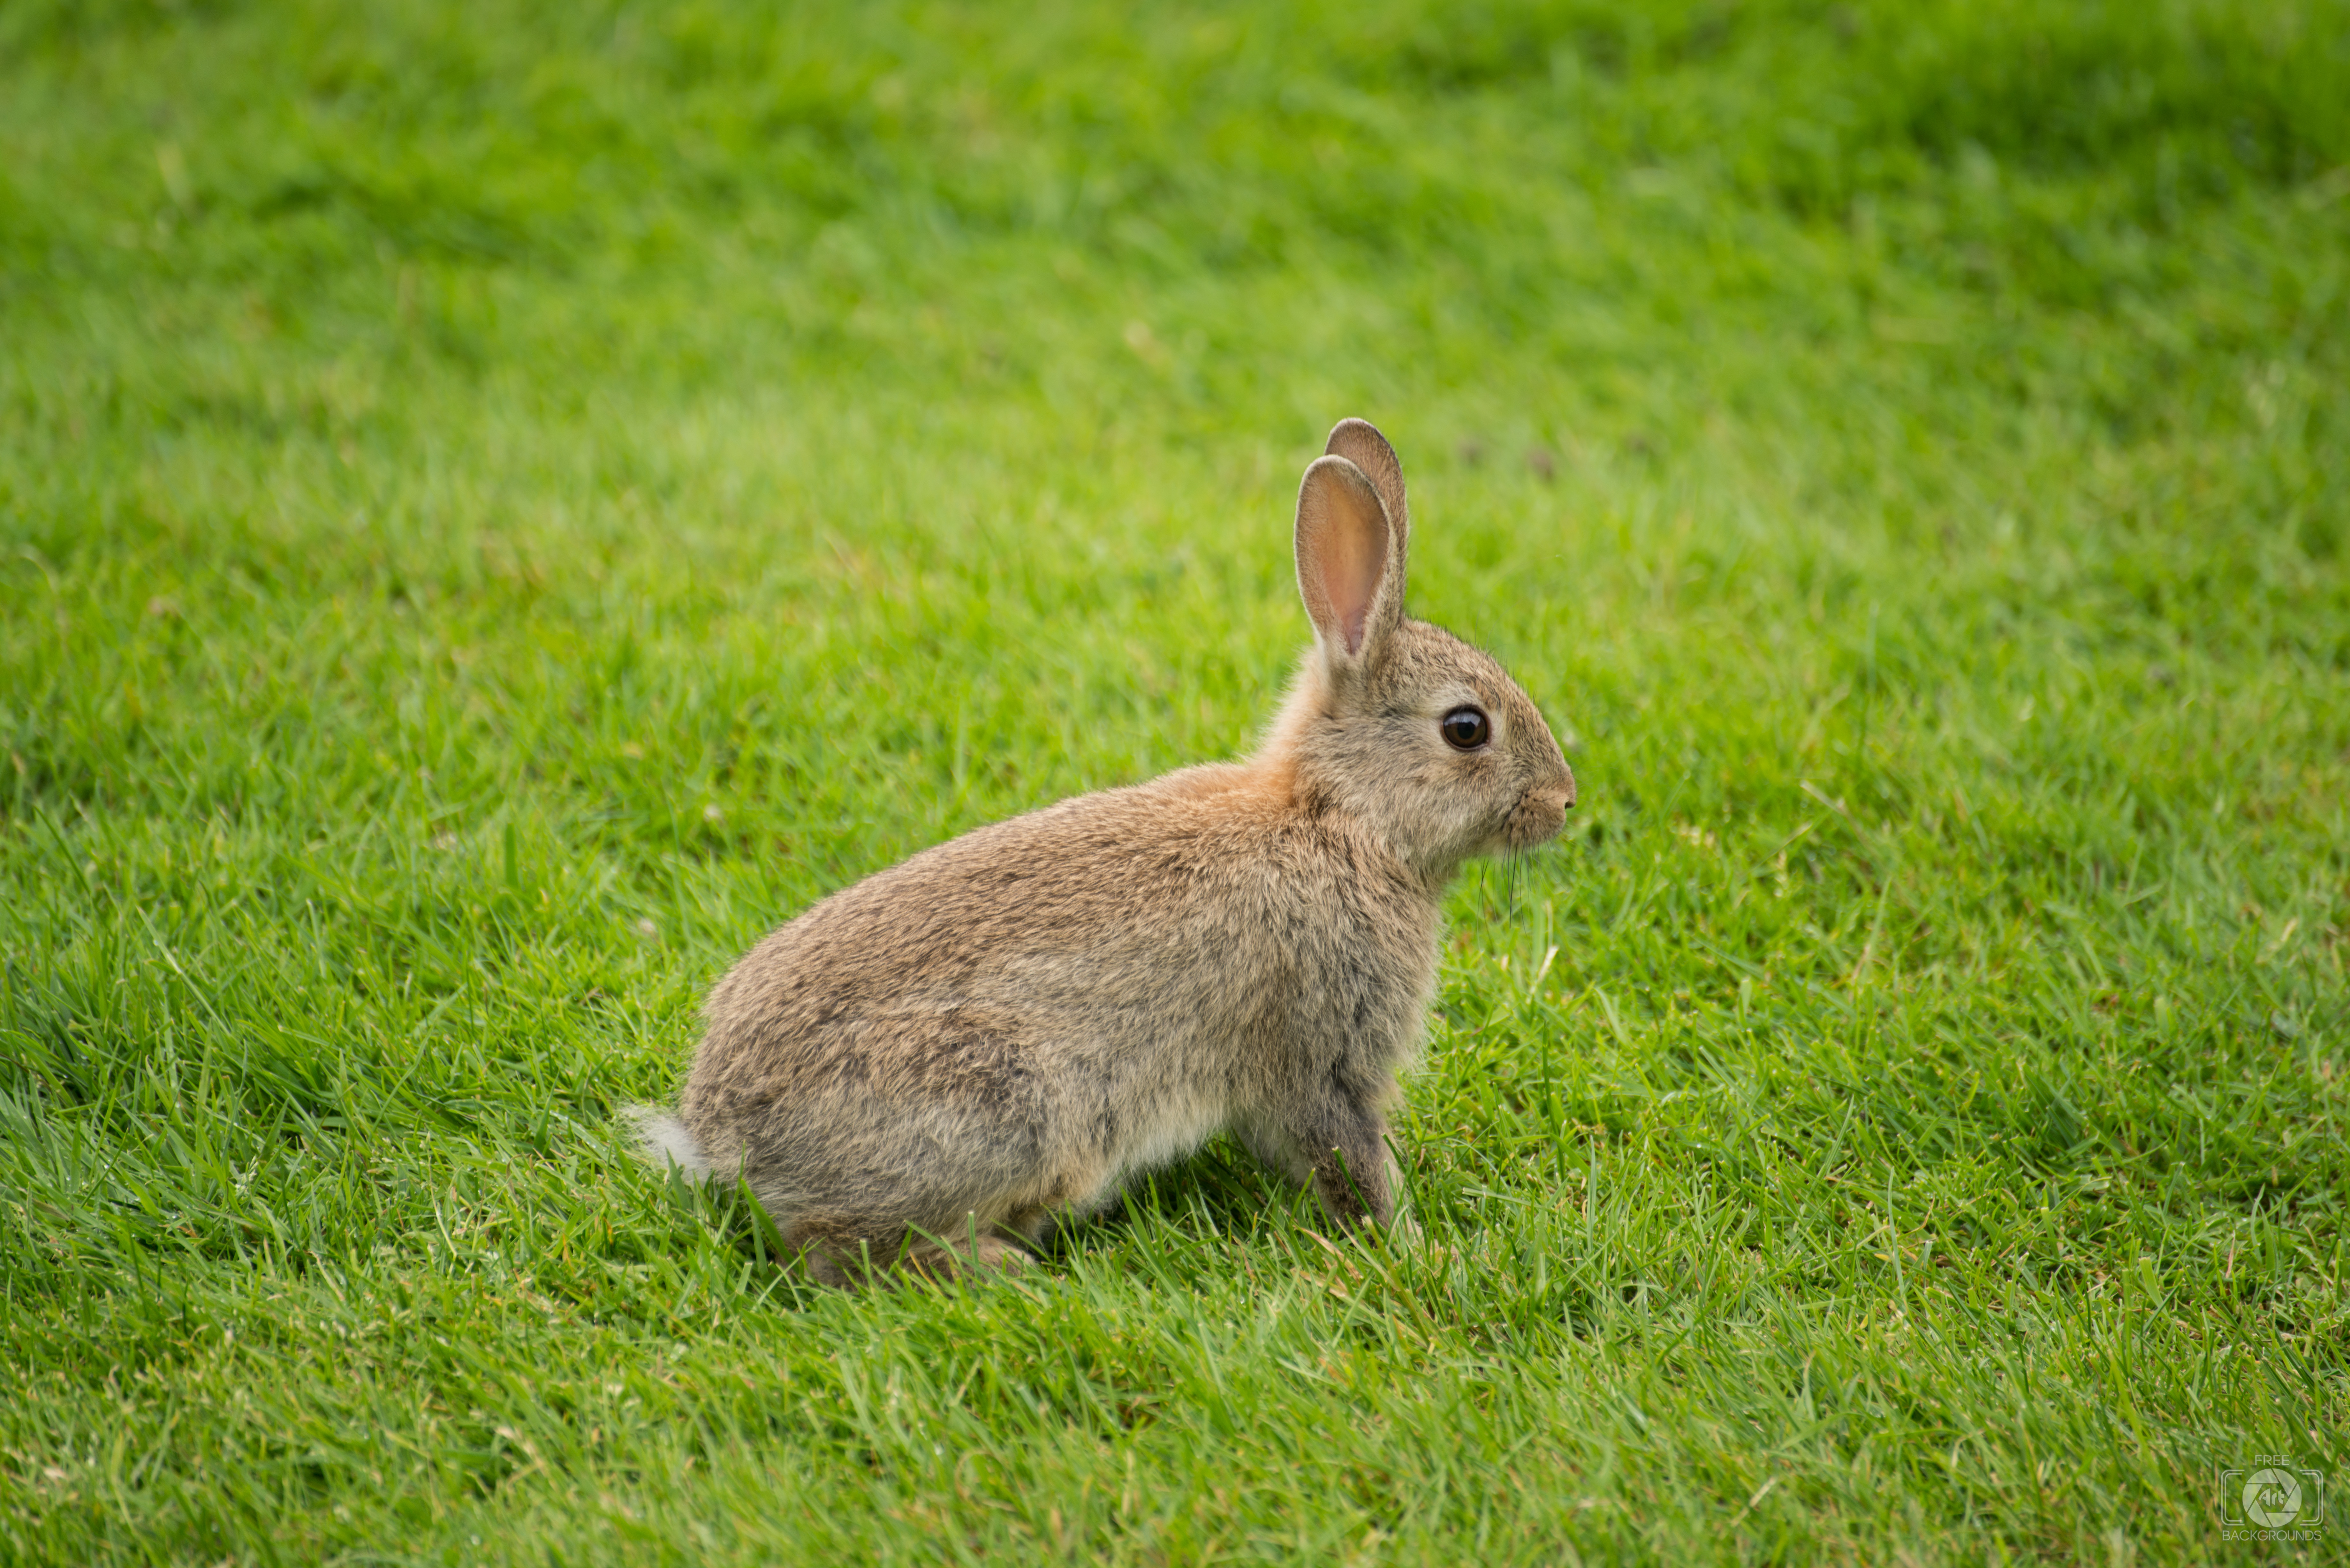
[(498, 509)]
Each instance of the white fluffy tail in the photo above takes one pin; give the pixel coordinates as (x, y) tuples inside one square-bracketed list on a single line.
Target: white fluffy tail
[(663, 1142)]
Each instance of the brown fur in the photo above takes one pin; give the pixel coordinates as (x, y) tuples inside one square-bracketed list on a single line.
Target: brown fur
[(1006, 1027)]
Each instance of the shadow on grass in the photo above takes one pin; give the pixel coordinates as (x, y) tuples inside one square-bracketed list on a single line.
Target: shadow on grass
[(1221, 1190)]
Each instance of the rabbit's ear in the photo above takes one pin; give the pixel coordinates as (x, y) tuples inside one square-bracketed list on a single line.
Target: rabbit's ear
[(1360, 443), (1349, 560)]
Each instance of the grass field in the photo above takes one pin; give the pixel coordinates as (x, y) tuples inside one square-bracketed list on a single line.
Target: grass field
[(500, 505)]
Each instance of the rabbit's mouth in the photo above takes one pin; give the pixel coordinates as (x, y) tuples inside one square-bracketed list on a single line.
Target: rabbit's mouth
[(1537, 816)]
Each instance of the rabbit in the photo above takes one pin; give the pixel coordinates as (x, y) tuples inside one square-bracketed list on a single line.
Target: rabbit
[(931, 1069)]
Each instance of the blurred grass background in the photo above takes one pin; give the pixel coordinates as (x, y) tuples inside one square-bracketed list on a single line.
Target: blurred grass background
[(499, 505)]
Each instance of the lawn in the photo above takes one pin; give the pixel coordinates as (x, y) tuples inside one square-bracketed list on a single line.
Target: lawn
[(499, 505)]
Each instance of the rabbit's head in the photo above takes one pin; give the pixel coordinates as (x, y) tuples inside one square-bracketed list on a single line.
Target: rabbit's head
[(1396, 723)]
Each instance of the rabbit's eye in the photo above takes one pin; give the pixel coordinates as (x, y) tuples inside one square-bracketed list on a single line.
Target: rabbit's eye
[(1466, 729)]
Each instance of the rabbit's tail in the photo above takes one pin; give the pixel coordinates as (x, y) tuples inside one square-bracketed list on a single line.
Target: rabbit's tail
[(663, 1142)]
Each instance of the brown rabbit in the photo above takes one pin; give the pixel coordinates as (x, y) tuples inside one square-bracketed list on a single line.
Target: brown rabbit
[(1005, 1029)]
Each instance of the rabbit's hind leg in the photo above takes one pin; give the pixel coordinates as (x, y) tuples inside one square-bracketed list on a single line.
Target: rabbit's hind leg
[(1047, 1228), (951, 1257), (851, 1254), (917, 1257)]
